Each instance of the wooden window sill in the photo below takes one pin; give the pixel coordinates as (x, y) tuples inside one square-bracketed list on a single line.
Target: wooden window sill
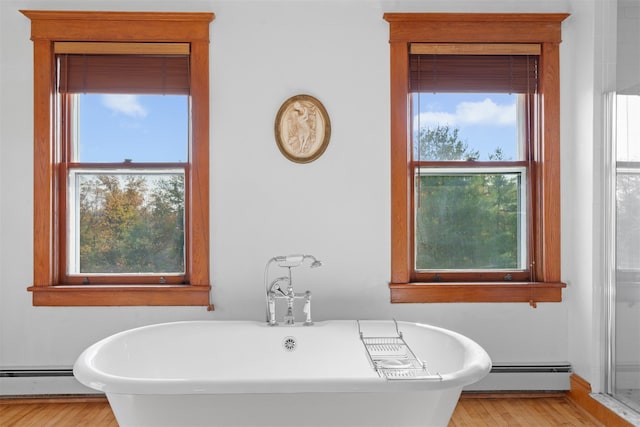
[(529, 292), (122, 295)]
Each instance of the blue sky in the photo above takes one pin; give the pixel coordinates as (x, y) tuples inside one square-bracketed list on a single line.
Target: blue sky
[(154, 128), (485, 121), (143, 128)]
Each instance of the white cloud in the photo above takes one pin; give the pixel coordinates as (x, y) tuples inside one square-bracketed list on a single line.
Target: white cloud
[(484, 112), (128, 105), (432, 118)]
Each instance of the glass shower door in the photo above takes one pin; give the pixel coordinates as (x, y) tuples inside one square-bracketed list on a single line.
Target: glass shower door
[(626, 354)]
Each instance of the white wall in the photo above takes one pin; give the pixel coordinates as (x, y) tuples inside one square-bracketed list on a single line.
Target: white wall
[(336, 208), (579, 137)]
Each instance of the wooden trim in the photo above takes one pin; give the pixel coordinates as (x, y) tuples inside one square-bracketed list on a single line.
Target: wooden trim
[(474, 49), (123, 279), (489, 18), (547, 161), (543, 283), (96, 296), (119, 26), (531, 293), (400, 159), (58, 15), (475, 27), (105, 48), (498, 277), (579, 394), (198, 192), (49, 27), (459, 164), (44, 166)]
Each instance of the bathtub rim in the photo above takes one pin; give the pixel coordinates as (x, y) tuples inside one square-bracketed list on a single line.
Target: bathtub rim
[(476, 365)]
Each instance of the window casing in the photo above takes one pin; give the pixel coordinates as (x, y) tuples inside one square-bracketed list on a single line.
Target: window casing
[(479, 35), (62, 37)]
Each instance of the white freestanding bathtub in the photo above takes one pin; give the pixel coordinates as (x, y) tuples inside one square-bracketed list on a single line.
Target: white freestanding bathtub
[(243, 373)]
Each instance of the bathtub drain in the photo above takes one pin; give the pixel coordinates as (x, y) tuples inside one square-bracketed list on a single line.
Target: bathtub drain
[(289, 343)]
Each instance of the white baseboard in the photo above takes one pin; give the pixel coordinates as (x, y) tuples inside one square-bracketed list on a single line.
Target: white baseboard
[(27, 382), (525, 377)]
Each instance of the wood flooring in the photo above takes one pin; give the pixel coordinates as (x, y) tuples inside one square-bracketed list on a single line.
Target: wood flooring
[(519, 412), (472, 411), (89, 412)]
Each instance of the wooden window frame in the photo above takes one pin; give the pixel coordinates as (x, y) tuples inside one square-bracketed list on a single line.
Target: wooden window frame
[(47, 27), (544, 283)]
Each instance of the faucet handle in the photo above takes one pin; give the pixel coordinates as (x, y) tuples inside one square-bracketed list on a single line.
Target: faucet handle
[(307, 309), (276, 288), (275, 285)]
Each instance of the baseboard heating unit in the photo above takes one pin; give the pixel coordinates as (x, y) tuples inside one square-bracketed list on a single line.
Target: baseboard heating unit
[(525, 377), (45, 381), (503, 377)]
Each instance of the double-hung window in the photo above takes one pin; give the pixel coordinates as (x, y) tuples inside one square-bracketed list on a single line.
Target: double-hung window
[(124, 140), (470, 126), (475, 157), (121, 158)]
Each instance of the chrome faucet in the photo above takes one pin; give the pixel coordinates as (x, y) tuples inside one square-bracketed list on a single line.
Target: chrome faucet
[(274, 289)]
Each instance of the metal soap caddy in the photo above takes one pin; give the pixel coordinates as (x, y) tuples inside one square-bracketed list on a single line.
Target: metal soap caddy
[(393, 359)]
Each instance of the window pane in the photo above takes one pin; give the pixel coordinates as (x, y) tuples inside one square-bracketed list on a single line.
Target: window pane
[(627, 128), (470, 220), (627, 214), (113, 128), (125, 222), (466, 126)]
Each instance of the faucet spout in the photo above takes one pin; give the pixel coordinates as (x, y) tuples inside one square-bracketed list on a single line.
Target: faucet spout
[(289, 318)]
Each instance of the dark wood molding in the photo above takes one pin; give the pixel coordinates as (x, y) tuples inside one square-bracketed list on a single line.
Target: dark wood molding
[(101, 296), (531, 293)]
